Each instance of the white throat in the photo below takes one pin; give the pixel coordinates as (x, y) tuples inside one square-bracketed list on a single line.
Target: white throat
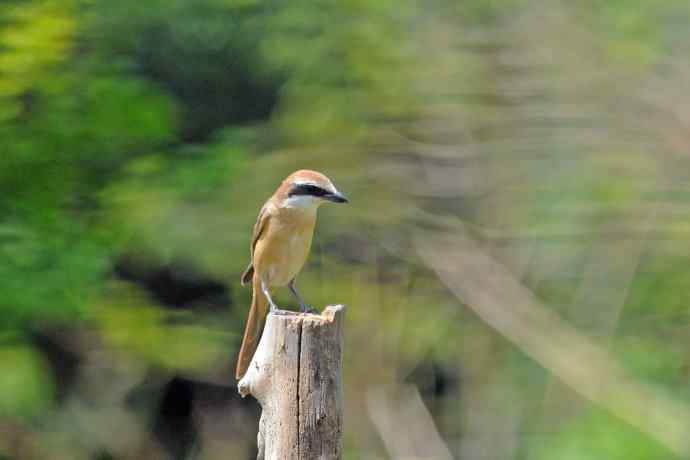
[(303, 202)]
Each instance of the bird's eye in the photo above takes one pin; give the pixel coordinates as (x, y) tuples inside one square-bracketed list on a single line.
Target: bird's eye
[(314, 190)]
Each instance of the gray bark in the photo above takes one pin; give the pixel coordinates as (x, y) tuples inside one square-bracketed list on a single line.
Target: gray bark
[(295, 375)]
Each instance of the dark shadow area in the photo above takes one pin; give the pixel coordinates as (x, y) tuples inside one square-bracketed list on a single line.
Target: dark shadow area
[(102, 455), (188, 408), (173, 423), (175, 285), (63, 362), (213, 70), (433, 380)]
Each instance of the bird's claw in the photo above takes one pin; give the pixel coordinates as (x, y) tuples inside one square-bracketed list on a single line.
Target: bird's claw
[(308, 309)]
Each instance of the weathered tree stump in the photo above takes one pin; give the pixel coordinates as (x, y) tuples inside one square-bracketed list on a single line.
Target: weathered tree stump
[(296, 377)]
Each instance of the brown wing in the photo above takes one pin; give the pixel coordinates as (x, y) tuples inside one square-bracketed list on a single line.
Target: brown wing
[(259, 228)]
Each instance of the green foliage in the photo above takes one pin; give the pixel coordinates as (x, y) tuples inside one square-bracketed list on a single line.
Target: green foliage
[(35, 38), (598, 435), (171, 341), (25, 386), (49, 269), (205, 53), (639, 30)]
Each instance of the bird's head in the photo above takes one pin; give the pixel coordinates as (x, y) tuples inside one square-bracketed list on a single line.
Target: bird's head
[(309, 189)]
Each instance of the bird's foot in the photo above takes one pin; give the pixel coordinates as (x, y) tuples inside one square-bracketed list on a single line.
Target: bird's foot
[(304, 308)]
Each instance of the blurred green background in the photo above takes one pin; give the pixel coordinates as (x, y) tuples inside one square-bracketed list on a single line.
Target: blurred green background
[(138, 140)]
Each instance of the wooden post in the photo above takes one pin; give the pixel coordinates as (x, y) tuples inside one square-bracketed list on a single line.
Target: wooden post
[(296, 377)]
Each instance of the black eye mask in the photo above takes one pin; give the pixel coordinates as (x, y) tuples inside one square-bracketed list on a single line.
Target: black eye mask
[(307, 189)]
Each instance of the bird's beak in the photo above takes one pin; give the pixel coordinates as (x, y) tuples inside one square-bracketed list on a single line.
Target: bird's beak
[(336, 197)]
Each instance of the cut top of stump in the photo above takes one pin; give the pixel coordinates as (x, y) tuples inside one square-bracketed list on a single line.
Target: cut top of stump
[(277, 325)]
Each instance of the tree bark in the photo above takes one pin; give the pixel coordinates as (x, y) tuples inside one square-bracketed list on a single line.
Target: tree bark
[(295, 375)]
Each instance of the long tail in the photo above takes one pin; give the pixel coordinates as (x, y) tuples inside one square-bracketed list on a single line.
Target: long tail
[(253, 329)]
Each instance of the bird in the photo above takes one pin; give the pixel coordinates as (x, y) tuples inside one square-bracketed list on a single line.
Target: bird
[(280, 246)]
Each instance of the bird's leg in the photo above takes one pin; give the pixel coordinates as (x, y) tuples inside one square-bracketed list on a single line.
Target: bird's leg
[(267, 293), (302, 305)]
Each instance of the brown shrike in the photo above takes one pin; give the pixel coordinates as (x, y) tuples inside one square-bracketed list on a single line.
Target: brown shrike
[(280, 246)]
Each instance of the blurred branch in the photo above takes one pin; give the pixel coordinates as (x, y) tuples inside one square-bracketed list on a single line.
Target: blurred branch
[(487, 287), (608, 276), (405, 424)]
